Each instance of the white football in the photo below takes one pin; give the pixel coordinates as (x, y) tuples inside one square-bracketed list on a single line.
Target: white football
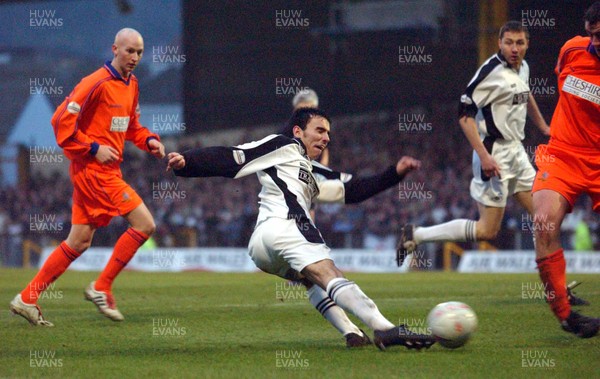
[(452, 323)]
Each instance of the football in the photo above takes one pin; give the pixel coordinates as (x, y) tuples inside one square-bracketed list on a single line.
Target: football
[(452, 323)]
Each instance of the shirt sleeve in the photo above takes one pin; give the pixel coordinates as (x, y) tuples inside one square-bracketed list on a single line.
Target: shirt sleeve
[(348, 189), (239, 161), (65, 120), (564, 56), (483, 89), (137, 133)]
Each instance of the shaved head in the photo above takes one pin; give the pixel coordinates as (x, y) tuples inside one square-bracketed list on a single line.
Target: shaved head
[(127, 33), (127, 49)]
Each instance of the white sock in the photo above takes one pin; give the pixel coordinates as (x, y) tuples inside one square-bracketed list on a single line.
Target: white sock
[(330, 310), (460, 230), (349, 296)]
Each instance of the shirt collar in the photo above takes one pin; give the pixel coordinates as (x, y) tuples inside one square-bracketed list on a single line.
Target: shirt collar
[(304, 151), (115, 74), (505, 62), (592, 50)]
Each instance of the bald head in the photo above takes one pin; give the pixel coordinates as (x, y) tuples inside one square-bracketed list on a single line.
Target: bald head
[(127, 33), (127, 50)]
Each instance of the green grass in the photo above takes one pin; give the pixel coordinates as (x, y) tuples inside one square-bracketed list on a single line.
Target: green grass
[(233, 325)]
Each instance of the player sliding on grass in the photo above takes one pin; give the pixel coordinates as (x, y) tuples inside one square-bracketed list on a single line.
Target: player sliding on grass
[(285, 241), (492, 115), (91, 126)]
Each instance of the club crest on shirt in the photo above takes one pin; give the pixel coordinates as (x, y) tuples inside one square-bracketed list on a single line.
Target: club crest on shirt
[(73, 107), (239, 157)]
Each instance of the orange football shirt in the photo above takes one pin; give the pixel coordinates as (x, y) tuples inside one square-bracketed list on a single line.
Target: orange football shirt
[(103, 109), (576, 120)]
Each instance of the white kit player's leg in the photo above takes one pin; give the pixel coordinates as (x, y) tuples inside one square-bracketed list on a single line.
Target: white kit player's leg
[(460, 230), (352, 299), (331, 311)]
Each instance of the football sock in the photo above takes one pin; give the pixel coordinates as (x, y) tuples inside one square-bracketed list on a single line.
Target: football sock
[(331, 311), (125, 249), (349, 297), (55, 265), (552, 272), (460, 230)]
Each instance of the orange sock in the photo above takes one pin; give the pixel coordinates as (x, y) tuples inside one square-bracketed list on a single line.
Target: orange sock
[(125, 249), (55, 265), (552, 272)]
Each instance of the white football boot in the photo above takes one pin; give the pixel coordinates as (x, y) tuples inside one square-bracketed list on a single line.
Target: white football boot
[(105, 303), (30, 312)]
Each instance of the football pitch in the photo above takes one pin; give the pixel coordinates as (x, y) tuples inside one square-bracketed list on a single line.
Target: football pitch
[(199, 325)]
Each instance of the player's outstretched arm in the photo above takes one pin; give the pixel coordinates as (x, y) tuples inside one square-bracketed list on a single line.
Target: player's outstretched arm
[(344, 188), (360, 189), (204, 162), (407, 164), (235, 161)]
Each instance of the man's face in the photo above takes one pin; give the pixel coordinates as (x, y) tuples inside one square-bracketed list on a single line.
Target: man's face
[(127, 50), (593, 30), (315, 137), (513, 46)]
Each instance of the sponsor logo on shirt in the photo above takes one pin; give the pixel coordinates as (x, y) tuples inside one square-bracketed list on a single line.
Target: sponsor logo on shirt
[(119, 124), (520, 98), (306, 177), (582, 89)]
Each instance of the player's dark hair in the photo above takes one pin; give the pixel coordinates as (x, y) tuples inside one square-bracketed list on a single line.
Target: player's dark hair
[(513, 26), (592, 15), (301, 117)]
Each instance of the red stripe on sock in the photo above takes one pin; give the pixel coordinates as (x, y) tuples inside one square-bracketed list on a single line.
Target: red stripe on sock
[(552, 272), (56, 264), (124, 250)]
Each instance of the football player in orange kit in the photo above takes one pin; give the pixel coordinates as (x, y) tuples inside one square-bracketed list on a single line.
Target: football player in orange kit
[(569, 166), (91, 126)]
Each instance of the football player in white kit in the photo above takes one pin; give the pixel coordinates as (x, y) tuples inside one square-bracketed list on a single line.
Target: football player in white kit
[(285, 241), (492, 115)]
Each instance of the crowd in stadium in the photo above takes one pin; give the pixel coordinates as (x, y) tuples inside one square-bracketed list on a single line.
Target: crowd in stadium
[(221, 212)]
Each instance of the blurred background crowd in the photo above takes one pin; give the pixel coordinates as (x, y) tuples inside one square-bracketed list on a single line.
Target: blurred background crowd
[(222, 212), (226, 73)]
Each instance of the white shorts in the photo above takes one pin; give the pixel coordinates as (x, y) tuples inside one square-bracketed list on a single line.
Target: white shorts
[(277, 245), (516, 174)]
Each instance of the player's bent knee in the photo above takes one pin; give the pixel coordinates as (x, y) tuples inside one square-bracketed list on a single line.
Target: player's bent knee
[(151, 229), (146, 228), (486, 234), (79, 246)]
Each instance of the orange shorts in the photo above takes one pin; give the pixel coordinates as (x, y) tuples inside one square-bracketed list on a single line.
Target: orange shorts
[(98, 196), (568, 172)]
